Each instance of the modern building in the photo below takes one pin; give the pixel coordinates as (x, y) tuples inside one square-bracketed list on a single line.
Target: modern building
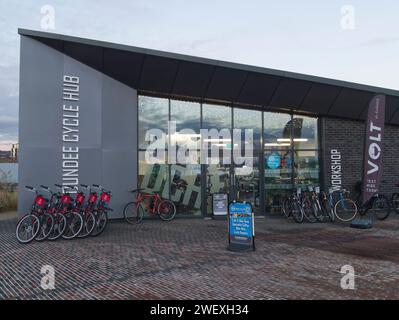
[(86, 106)]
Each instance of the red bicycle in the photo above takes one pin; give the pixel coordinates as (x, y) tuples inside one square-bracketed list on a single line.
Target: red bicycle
[(152, 203), (100, 211), (37, 223)]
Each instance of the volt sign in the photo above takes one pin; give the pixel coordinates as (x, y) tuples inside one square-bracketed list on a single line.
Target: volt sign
[(372, 171)]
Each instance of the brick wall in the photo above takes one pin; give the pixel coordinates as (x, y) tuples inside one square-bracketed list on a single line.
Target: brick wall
[(348, 138)]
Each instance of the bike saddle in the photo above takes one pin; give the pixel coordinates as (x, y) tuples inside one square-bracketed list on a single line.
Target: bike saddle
[(136, 190)]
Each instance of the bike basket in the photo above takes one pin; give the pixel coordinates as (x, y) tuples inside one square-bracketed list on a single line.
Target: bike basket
[(317, 189), (80, 198), (310, 188), (93, 198), (105, 197), (65, 199), (39, 201)]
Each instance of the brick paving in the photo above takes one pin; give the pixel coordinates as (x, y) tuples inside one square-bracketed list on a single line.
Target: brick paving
[(187, 259)]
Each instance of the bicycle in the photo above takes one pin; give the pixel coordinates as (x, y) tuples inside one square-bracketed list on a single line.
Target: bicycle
[(307, 205), (29, 225), (100, 211), (327, 206), (395, 200), (346, 209), (74, 219), (134, 211), (60, 221), (292, 206), (86, 211)]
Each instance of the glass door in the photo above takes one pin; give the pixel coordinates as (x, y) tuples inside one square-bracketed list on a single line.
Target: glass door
[(246, 184)]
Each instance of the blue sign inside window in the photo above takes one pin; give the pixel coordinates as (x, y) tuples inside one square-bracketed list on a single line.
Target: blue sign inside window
[(273, 161)]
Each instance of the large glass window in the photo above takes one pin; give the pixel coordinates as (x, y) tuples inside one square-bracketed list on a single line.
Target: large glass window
[(287, 150), (186, 173), (278, 178), (153, 114), (277, 130), (153, 177), (306, 166), (291, 156), (305, 132), (248, 119)]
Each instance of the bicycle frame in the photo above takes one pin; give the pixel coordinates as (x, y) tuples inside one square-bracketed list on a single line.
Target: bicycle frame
[(154, 198)]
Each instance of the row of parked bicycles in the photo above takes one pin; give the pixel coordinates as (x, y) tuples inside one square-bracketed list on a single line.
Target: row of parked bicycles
[(313, 205), (64, 214)]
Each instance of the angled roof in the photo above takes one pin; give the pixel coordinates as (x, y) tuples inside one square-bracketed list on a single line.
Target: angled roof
[(204, 79)]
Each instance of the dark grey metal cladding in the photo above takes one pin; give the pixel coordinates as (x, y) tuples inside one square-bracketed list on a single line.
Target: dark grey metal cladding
[(90, 55), (225, 84), (158, 74), (320, 98), (350, 103), (258, 89), (206, 79), (124, 66), (290, 93), (192, 79)]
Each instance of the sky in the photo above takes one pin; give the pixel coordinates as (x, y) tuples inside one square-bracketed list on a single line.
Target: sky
[(352, 40)]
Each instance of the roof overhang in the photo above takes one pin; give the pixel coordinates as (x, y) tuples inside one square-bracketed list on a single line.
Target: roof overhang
[(177, 75)]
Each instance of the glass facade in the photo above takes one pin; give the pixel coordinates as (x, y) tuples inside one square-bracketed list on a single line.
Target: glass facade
[(278, 153)]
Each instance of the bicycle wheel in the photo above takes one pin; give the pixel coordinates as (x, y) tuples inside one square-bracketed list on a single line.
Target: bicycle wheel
[(328, 211), (296, 211), (395, 202), (46, 226), (101, 222), (286, 208), (27, 228), (381, 207), (167, 210), (89, 223), (133, 212), (60, 223), (308, 211), (345, 210), (74, 225), (317, 211)]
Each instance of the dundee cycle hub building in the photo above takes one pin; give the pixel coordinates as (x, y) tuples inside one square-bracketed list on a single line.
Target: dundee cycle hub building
[(86, 107)]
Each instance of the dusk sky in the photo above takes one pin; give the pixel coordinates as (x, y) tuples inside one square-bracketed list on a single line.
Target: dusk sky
[(312, 37)]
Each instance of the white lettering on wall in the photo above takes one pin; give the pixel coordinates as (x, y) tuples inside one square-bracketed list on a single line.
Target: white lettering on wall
[(70, 134), (336, 169)]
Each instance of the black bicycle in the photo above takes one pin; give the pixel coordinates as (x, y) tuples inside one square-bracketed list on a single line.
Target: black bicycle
[(378, 205)]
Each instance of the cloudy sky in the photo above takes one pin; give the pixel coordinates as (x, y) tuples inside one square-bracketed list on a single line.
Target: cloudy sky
[(308, 36)]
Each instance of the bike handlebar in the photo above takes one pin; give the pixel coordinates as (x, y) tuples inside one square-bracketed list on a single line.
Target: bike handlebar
[(101, 188), (30, 188)]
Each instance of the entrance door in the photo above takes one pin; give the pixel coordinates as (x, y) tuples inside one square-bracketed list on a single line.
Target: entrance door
[(245, 184), (217, 180)]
